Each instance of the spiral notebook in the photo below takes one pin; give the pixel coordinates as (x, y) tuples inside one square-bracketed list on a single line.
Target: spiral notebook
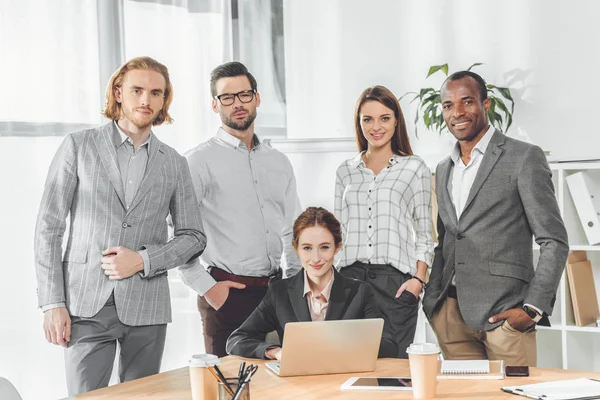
[(472, 369)]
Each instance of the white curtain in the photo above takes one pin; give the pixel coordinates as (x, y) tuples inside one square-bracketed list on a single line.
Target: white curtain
[(50, 62), (57, 56), (260, 30), (190, 38)]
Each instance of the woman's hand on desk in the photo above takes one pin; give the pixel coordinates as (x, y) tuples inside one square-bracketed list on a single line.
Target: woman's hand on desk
[(274, 353)]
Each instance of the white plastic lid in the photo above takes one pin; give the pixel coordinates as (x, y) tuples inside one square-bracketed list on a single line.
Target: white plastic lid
[(204, 360), (423, 348)]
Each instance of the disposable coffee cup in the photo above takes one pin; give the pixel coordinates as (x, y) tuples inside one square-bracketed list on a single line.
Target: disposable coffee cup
[(204, 385), (423, 358), (233, 384)]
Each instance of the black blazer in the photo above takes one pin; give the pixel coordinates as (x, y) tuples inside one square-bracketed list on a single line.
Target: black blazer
[(285, 302)]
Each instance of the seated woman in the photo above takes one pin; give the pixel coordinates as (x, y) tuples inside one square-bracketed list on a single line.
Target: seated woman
[(317, 293)]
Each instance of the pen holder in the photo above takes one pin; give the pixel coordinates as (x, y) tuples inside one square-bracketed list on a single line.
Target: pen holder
[(233, 383)]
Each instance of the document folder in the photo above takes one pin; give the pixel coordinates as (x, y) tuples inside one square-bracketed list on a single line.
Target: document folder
[(573, 389), (586, 196), (583, 291)]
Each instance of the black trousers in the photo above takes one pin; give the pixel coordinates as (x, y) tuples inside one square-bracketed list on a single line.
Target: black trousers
[(401, 313), (219, 324)]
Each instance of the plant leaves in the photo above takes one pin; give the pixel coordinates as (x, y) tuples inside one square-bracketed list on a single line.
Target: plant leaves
[(435, 97), (505, 92), (435, 68), (474, 65), (424, 91), (507, 114), (501, 105), (406, 94), (492, 112), (445, 68)]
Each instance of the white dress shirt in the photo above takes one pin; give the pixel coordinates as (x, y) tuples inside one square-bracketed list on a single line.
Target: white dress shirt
[(463, 175), (248, 203)]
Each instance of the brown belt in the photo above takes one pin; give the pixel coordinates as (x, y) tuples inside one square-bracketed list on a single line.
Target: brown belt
[(452, 292), (221, 275)]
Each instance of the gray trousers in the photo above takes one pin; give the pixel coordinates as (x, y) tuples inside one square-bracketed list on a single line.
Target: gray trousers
[(401, 313), (90, 354)]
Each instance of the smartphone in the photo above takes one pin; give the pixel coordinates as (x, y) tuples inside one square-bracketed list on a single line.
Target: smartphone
[(373, 383), (517, 370)]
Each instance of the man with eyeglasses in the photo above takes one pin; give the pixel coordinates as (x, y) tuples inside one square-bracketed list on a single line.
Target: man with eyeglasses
[(247, 198)]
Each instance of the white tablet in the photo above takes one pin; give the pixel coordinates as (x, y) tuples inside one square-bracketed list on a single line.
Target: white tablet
[(374, 383)]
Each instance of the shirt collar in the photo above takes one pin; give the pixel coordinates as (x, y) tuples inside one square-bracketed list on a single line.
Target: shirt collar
[(232, 141), (326, 293), (358, 161), (120, 137), (481, 146)]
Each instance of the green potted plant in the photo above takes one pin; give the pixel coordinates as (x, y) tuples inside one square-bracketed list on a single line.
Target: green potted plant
[(430, 111)]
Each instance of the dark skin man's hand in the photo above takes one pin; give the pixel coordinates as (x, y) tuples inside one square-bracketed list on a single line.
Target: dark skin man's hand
[(516, 317)]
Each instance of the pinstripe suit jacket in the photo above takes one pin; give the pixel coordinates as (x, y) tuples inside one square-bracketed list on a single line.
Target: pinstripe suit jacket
[(84, 181)]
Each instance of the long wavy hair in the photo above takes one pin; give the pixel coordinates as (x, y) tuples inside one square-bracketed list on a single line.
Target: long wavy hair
[(112, 109)]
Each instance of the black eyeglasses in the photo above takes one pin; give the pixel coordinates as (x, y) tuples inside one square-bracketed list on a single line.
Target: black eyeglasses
[(228, 99)]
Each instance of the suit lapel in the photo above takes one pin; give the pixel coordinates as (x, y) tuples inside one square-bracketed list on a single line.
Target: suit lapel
[(491, 156), (337, 299), (297, 299), (441, 190), (156, 159), (108, 156)]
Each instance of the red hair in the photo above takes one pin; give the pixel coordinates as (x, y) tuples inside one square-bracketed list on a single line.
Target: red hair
[(317, 216)]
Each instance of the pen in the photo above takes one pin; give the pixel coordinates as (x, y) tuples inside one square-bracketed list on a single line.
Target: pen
[(521, 392), (219, 376), (250, 371), (241, 372)]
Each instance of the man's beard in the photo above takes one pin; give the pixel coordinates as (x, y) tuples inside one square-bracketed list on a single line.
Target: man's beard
[(141, 123), (242, 126)]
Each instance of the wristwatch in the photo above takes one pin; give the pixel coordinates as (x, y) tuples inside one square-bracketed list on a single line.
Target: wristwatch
[(534, 315)]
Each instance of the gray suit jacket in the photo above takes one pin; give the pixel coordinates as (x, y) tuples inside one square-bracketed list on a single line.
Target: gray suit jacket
[(489, 247), (84, 181)]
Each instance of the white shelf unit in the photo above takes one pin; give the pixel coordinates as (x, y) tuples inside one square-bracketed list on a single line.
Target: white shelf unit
[(565, 345)]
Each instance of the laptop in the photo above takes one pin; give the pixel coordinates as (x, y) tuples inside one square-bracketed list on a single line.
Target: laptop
[(329, 347)]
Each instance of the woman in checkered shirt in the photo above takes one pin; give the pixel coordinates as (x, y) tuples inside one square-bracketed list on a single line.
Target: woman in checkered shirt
[(383, 200)]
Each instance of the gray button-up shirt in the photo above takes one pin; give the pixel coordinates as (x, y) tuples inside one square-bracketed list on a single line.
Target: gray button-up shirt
[(132, 163), (132, 166), (248, 203)]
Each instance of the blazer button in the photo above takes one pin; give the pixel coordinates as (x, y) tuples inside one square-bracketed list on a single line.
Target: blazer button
[(124, 225), (459, 236)]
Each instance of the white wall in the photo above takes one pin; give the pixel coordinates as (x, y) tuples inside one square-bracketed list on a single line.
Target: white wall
[(543, 50), (23, 166)]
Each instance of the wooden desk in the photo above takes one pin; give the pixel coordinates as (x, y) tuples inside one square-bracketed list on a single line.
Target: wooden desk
[(175, 385)]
